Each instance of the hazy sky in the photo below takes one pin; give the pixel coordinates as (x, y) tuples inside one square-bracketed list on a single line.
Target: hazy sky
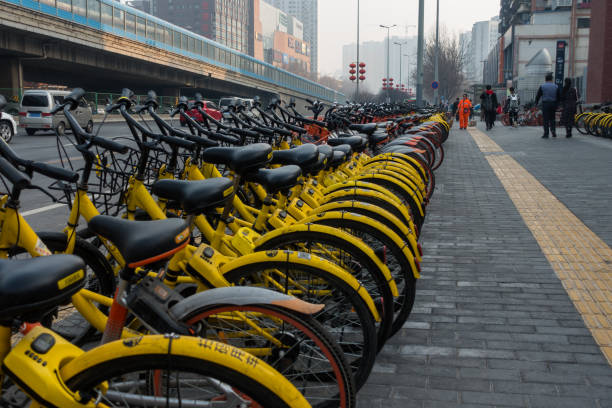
[(338, 21)]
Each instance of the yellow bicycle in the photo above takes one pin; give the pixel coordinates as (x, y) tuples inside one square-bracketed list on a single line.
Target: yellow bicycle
[(153, 370)]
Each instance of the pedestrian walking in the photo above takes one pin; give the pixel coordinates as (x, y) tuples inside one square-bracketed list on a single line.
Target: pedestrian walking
[(549, 93), (464, 108), (455, 107), (489, 103), (513, 102), (569, 100)]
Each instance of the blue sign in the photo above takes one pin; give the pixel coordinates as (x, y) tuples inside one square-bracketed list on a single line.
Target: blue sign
[(435, 84)]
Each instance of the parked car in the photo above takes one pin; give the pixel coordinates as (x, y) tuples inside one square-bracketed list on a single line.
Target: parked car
[(209, 107), (37, 105), (8, 127)]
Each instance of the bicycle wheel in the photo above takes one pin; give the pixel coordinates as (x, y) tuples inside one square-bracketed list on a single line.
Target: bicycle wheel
[(346, 316), (581, 123), (381, 241), (296, 345), (151, 371), (66, 320), (350, 257)]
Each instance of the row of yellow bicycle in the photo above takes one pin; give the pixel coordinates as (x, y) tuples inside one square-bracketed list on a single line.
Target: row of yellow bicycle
[(229, 264)]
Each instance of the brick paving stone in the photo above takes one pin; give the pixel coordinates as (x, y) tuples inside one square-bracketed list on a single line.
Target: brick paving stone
[(492, 325)]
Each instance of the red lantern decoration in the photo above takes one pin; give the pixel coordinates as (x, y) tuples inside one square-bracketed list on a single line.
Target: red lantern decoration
[(362, 64), (352, 71), (384, 79), (390, 79), (352, 65), (362, 78), (352, 77), (362, 71)]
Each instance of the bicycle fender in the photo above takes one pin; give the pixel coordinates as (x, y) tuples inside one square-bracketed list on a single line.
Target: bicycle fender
[(345, 215), (261, 242), (359, 184), (204, 349), (408, 232), (241, 296), (406, 171), (349, 192), (400, 181), (275, 259), (401, 159)]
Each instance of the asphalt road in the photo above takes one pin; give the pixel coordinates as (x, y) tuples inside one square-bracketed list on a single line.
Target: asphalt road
[(41, 212)]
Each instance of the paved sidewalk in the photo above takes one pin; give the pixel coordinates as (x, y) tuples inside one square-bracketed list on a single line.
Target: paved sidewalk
[(492, 325)]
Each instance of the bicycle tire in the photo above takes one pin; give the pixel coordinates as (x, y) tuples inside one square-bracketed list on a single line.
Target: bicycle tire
[(368, 273), (384, 204), (378, 214), (580, 123), (360, 350), (285, 360), (151, 368), (402, 272)]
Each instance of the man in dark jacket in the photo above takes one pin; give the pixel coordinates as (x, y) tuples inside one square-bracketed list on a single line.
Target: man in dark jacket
[(489, 104), (455, 107), (549, 92)]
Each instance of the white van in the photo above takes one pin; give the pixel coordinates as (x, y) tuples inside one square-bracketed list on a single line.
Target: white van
[(37, 105)]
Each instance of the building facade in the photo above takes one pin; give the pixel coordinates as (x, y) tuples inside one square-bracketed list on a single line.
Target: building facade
[(305, 11), (599, 80), (229, 22), (483, 40), (282, 37), (528, 27)]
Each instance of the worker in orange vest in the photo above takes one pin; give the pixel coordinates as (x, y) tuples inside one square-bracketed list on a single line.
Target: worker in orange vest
[(464, 109)]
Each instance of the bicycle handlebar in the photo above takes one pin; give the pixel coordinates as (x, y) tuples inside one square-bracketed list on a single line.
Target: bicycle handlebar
[(30, 166), (17, 178)]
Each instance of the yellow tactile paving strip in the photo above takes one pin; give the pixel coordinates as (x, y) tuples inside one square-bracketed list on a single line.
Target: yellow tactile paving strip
[(581, 260), (484, 142)]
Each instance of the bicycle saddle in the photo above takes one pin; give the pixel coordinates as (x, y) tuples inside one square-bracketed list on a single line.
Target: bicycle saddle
[(240, 159), (30, 288), (142, 242), (357, 143), (366, 129), (195, 197), (304, 155), (338, 157), (376, 138), (316, 167), (326, 150), (275, 180), (344, 148)]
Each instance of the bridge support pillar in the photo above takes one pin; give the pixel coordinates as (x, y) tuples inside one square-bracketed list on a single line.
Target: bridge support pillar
[(11, 83)]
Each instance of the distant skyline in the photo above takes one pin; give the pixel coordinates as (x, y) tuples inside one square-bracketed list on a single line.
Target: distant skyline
[(338, 22)]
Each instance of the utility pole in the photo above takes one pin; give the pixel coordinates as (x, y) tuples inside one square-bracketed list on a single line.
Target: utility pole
[(421, 40), (436, 100), (358, 74), (388, 49), (400, 60)]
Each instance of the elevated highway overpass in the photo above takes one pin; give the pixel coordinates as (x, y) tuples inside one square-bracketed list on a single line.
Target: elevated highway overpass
[(102, 45)]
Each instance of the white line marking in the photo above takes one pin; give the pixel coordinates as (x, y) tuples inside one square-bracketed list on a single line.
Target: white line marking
[(42, 209)]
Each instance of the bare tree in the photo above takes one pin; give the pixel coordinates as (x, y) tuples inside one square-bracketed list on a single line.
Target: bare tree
[(451, 60)]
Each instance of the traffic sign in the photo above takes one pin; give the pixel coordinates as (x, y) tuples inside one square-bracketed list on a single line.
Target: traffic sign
[(435, 84)]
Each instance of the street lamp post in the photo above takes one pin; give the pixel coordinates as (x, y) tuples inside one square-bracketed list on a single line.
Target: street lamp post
[(421, 41), (400, 59), (388, 49), (436, 101), (357, 90)]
